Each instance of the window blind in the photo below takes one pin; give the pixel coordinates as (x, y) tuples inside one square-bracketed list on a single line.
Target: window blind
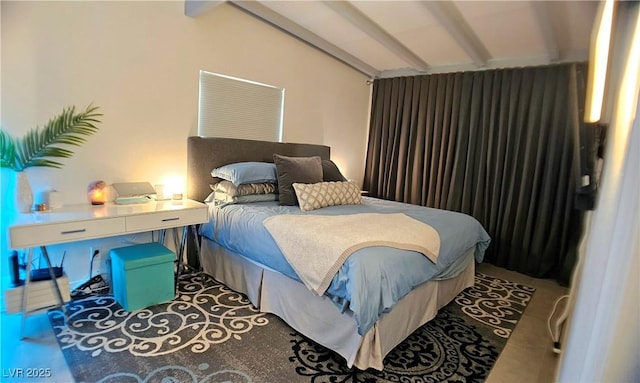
[(236, 108)]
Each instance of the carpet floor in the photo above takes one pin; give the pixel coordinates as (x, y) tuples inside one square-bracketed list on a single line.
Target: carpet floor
[(210, 333)]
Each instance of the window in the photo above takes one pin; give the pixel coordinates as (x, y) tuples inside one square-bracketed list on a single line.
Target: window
[(235, 108)]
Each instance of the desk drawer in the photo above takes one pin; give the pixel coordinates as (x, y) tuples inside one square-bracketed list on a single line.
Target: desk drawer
[(163, 220), (47, 234)]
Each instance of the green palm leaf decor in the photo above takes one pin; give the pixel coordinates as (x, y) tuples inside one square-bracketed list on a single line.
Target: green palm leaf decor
[(38, 147)]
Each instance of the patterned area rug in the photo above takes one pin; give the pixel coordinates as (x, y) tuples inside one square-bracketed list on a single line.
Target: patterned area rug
[(210, 333)]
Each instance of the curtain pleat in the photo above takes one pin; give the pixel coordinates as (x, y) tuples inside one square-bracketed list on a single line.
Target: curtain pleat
[(500, 145)]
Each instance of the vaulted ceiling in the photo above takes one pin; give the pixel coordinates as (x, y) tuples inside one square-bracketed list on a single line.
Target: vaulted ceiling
[(393, 38)]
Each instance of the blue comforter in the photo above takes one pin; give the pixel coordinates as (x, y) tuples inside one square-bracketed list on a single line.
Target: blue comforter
[(373, 279)]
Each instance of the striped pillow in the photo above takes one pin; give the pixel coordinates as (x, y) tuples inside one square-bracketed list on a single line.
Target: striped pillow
[(323, 194)]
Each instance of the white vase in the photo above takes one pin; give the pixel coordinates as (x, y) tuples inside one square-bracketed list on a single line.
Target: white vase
[(24, 195)]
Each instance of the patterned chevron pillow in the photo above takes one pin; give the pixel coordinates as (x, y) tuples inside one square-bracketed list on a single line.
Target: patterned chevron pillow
[(323, 194)]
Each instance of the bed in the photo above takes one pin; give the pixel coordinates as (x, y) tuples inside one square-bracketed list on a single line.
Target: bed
[(378, 296)]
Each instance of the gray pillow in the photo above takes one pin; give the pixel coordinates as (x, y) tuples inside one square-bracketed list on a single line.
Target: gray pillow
[(306, 170), (330, 172), (232, 190)]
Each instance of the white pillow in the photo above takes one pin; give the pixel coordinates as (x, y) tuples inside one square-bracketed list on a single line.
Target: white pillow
[(323, 194), (247, 173)]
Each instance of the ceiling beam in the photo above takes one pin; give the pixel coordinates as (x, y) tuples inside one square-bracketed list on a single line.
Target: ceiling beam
[(375, 31), (549, 35), (276, 19), (195, 8), (451, 19)]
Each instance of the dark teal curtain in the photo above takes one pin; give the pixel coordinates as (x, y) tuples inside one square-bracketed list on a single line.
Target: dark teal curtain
[(500, 145)]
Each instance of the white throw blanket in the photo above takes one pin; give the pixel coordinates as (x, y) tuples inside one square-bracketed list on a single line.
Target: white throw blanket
[(316, 246)]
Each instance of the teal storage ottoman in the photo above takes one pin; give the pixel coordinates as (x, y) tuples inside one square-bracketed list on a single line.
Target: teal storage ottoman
[(142, 275)]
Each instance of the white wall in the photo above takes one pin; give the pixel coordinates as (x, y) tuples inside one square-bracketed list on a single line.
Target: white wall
[(603, 335), (139, 62)]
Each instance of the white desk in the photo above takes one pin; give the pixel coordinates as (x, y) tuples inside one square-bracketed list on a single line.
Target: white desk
[(82, 222)]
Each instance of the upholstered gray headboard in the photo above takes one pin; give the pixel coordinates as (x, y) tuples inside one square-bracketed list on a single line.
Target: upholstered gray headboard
[(206, 153)]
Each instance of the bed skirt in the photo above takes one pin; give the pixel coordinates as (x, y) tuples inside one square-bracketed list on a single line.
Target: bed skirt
[(319, 319)]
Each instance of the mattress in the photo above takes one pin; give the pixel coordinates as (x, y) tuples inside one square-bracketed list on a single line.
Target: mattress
[(317, 317), (382, 272)]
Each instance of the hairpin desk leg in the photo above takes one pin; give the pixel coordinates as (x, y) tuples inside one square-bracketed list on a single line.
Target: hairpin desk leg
[(180, 244), (196, 241), (190, 231), (54, 280), (183, 241), (25, 295)]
